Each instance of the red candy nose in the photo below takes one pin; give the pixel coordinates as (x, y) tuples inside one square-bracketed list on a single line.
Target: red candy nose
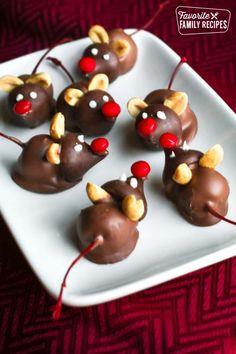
[(99, 145), (146, 126), (140, 169), (110, 109), (87, 65), (168, 140), (22, 107)]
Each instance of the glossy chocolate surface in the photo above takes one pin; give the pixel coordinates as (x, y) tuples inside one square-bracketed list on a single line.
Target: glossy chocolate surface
[(187, 118), (43, 106), (171, 125), (207, 187), (107, 219), (34, 173)]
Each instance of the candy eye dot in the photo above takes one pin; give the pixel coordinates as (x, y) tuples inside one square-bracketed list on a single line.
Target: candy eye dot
[(94, 51), (78, 147), (133, 182), (144, 115), (33, 94), (106, 56), (19, 97), (105, 98), (92, 104)]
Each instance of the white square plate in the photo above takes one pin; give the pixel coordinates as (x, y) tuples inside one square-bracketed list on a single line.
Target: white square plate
[(44, 225)]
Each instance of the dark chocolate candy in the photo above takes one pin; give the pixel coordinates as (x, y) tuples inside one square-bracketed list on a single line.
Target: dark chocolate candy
[(111, 221), (207, 187), (187, 118), (168, 123)]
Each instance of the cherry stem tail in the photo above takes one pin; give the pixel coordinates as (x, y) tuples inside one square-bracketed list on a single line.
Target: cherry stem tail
[(14, 140), (57, 62), (64, 40), (217, 215), (58, 307), (153, 18), (182, 61)]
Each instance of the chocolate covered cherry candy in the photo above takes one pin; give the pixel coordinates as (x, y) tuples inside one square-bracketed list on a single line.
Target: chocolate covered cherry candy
[(89, 108), (30, 97), (163, 111), (192, 183), (56, 162), (112, 53), (107, 230)]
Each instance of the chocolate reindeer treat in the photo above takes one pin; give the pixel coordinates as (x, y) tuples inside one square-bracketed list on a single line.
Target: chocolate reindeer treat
[(56, 162), (112, 53), (30, 97), (163, 111), (107, 230), (192, 183), (89, 108)]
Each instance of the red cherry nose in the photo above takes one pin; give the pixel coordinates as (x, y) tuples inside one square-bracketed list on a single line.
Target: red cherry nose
[(140, 169), (111, 109), (168, 140), (22, 107), (146, 126), (99, 145), (87, 65)]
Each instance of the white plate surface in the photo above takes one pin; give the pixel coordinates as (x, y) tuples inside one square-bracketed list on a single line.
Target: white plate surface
[(44, 225)]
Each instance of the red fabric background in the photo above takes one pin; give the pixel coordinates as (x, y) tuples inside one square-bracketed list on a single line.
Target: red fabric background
[(193, 314)]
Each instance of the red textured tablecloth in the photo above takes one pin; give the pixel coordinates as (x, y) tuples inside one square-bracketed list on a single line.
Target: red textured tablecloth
[(192, 314)]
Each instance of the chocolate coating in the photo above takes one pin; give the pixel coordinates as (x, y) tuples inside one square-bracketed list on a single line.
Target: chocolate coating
[(112, 65), (207, 187), (187, 118), (34, 173), (109, 67), (119, 233), (171, 125), (83, 118), (128, 60), (42, 107), (68, 111), (107, 219)]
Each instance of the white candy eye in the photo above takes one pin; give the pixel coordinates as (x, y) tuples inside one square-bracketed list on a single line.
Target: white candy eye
[(19, 97), (92, 104), (78, 147), (81, 138), (33, 94), (94, 51), (161, 115), (144, 115), (106, 56), (123, 177), (172, 155), (133, 182), (105, 98)]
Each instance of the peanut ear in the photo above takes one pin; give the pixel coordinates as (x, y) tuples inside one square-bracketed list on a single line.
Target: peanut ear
[(121, 47), (133, 208), (96, 193), (177, 101), (98, 34), (40, 78), (212, 157), (182, 174), (72, 96), (53, 154), (9, 82), (57, 127), (98, 82), (135, 106)]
